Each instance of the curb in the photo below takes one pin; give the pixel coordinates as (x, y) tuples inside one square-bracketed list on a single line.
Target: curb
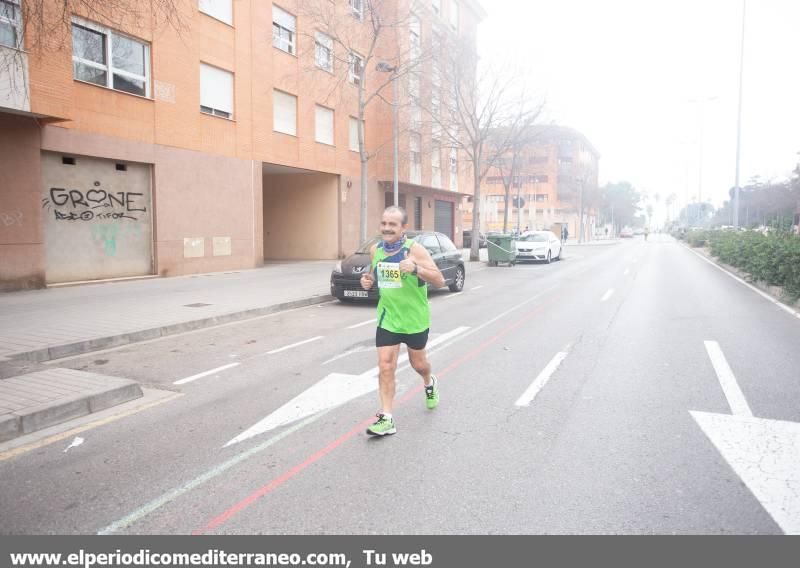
[(97, 344), (43, 416), (724, 268)]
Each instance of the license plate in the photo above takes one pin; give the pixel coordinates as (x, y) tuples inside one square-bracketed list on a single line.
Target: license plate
[(356, 294)]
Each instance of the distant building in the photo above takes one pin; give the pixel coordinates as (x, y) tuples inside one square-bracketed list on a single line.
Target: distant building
[(553, 171)]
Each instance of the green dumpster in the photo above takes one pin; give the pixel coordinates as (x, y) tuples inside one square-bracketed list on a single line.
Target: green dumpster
[(501, 249)]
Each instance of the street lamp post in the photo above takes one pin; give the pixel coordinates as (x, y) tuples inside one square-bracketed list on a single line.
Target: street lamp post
[(739, 123), (386, 68)]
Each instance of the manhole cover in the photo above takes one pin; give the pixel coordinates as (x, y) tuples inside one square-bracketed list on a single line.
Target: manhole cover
[(198, 305)]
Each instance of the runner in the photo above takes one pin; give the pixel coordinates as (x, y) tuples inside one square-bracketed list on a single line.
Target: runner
[(402, 268)]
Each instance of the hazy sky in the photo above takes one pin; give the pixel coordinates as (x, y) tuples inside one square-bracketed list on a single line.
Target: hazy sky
[(624, 71)]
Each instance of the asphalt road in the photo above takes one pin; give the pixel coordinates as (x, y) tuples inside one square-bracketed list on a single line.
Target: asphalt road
[(632, 388)]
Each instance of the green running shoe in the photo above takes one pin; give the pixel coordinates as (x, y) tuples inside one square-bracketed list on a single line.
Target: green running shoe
[(432, 394), (382, 426)]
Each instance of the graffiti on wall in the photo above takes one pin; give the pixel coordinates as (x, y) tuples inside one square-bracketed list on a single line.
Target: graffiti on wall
[(11, 218), (78, 205)]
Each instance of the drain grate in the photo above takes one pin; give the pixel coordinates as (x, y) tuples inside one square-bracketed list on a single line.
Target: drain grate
[(197, 305)]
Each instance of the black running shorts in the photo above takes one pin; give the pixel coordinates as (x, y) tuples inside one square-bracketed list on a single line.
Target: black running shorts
[(415, 341)]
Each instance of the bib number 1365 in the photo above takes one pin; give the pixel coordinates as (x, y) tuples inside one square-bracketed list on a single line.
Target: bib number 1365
[(389, 275)]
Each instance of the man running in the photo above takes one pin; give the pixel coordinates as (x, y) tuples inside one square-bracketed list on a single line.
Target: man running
[(402, 268)]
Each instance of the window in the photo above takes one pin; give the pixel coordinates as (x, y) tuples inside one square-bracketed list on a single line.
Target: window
[(431, 243), (216, 91), (323, 52), (436, 5), (436, 164), (538, 159), (447, 244), (541, 197), (10, 23), (417, 213), (436, 101), (454, 15), (220, 9), (357, 8), (388, 199), (108, 59), (413, 84), (414, 36), (356, 68), (415, 158), (354, 134), (324, 125), (284, 113), (284, 27), (453, 169)]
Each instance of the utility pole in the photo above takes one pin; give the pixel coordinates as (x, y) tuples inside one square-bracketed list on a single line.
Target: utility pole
[(580, 218)]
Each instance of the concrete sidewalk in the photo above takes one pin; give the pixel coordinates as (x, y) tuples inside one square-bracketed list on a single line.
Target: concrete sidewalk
[(40, 325)]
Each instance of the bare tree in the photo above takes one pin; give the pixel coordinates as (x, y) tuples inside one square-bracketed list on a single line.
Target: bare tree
[(44, 26), (357, 42), (510, 166), (486, 114)]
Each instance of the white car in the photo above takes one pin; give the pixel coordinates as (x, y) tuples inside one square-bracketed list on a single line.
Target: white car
[(538, 245)]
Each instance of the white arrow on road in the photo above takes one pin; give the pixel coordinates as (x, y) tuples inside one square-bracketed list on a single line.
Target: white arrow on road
[(334, 390), (765, 454)]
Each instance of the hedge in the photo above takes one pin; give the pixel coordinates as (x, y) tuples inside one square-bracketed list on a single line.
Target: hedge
[(773, 258)]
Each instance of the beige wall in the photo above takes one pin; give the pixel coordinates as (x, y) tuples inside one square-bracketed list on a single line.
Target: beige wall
[(301, 216), (21, 242)]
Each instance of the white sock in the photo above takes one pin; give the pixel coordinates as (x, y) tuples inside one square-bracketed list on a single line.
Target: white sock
[(433, 381), (387, 415)]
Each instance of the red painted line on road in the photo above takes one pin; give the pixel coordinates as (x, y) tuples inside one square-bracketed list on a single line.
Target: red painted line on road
[(289, 474)]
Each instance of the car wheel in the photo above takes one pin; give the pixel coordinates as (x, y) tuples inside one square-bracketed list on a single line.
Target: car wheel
[(548, 258), (458, 281)]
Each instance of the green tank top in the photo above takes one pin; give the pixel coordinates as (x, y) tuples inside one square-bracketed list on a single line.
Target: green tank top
[(403, 305)]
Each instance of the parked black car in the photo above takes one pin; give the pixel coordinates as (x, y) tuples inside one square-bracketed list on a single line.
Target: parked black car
[(468, 239), (346, 275)]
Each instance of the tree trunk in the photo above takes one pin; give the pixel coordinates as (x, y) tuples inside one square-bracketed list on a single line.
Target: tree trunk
[(505, 207), (364, 165), (474, 251)]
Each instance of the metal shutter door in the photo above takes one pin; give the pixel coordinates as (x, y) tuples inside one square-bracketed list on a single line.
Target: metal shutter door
[(443, 220)]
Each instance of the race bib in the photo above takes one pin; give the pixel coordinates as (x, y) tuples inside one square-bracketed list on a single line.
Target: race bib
[(389, 275)]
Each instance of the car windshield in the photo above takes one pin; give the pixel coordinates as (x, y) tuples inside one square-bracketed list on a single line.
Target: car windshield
[(534, 238), (365, 248)]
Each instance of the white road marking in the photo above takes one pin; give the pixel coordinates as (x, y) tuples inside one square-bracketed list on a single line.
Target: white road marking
[(452, 295), (205, 374), (608, 295), (75, 443), (764, 295), (293, 345), (477, 287), (216, 471), (540, 381), (765, 454), (363, 323), (627, 271), (332, 391), (730, 387)]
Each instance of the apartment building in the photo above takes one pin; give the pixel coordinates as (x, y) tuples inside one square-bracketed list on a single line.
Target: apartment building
[(135, 147), (545, 192)]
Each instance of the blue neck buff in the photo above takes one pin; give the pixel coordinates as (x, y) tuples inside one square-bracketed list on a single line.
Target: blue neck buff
[(391, 248)]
